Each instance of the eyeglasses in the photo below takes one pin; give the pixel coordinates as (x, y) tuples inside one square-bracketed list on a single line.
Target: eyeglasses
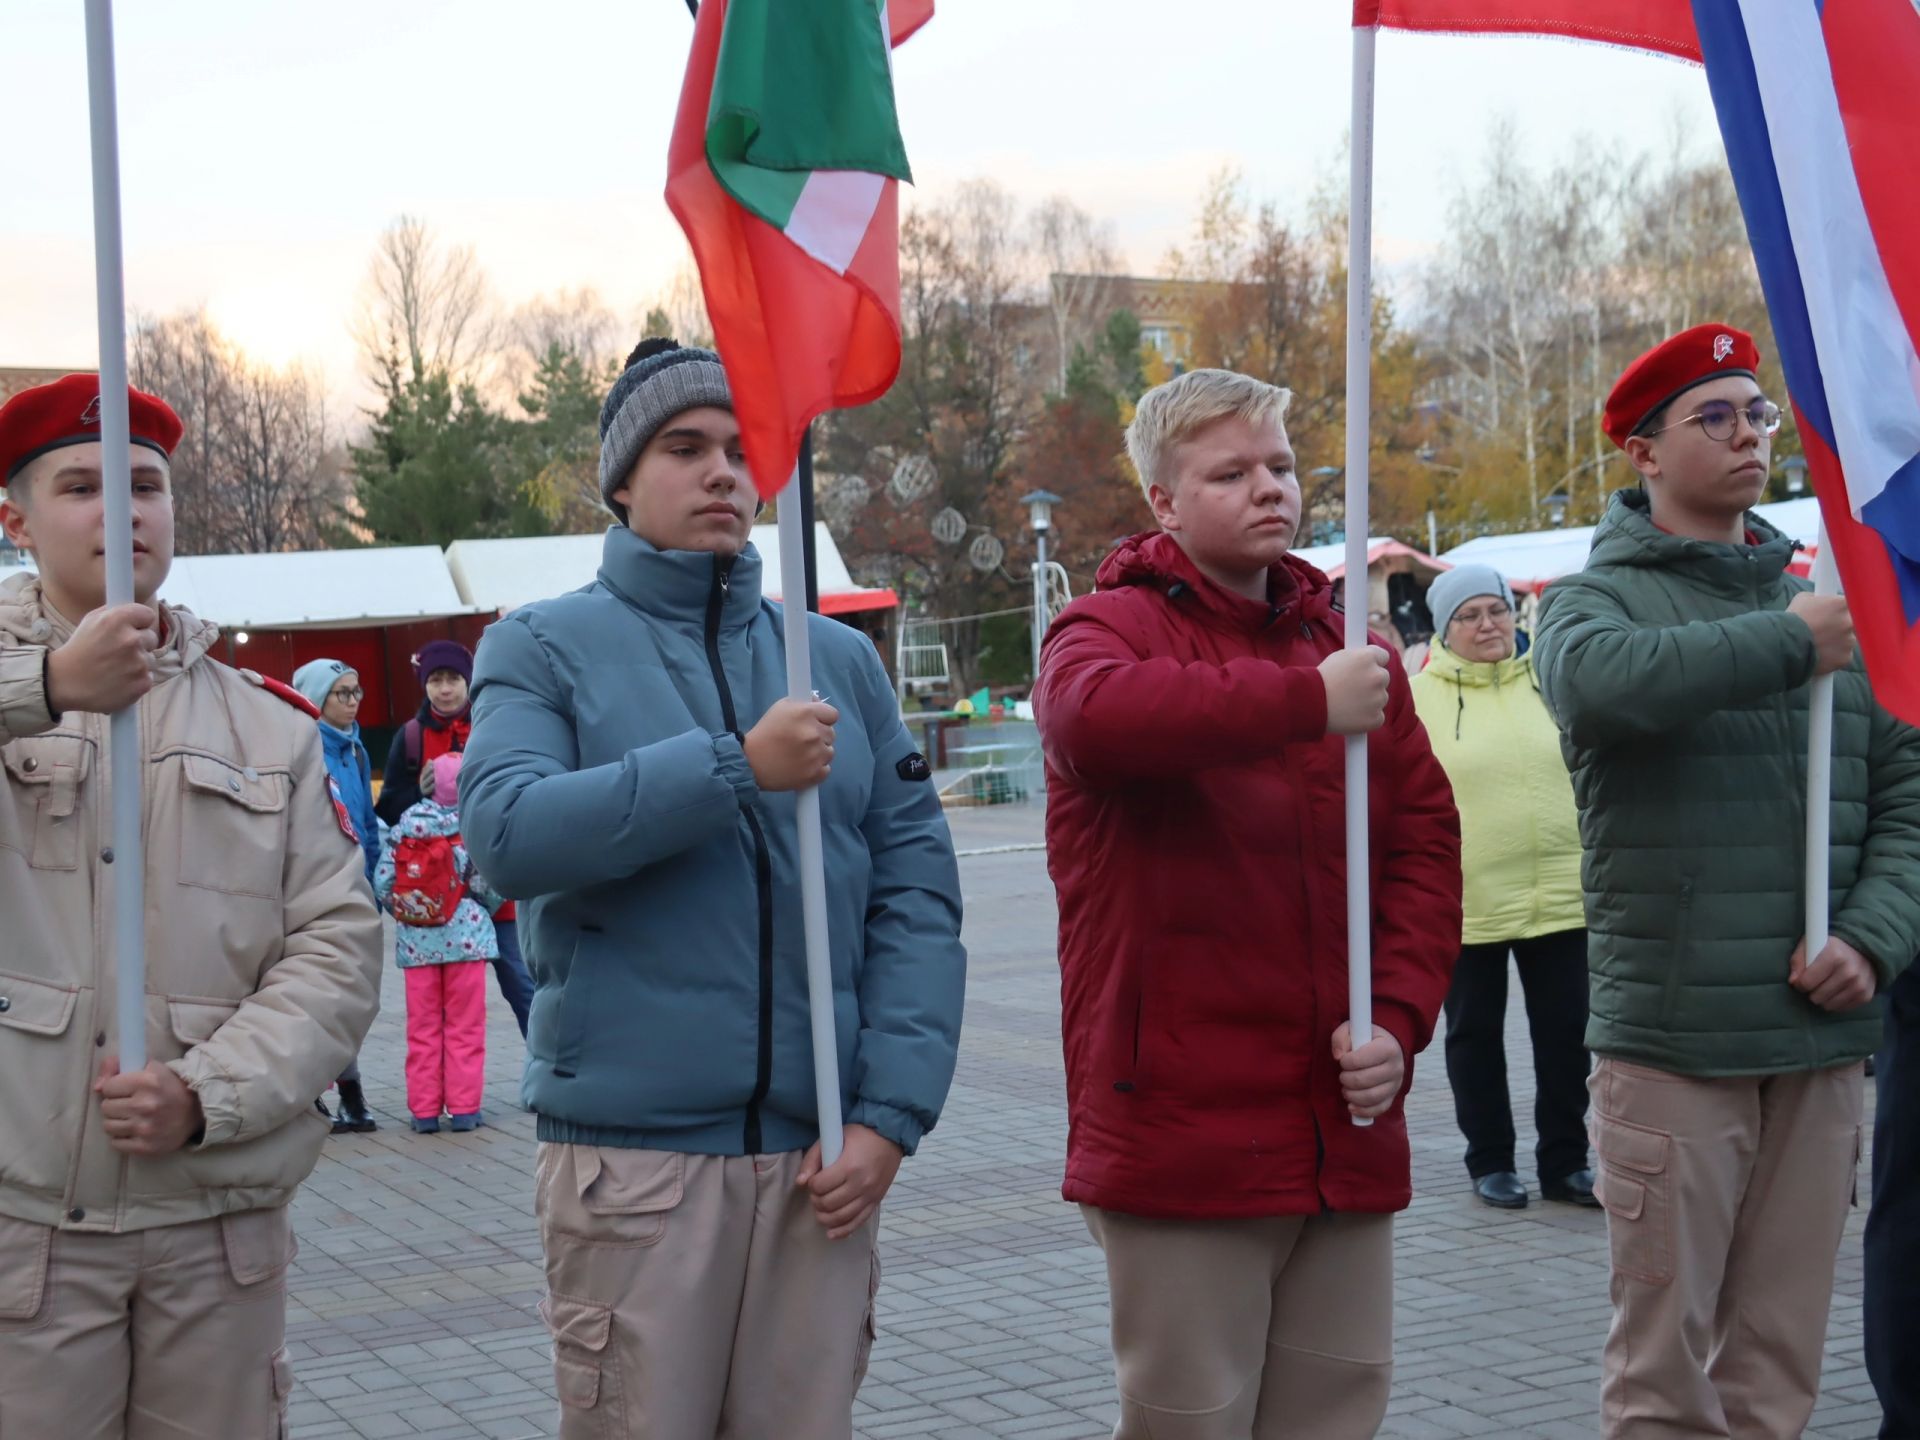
[(1718, 419), (355, 694), (1472, 618)]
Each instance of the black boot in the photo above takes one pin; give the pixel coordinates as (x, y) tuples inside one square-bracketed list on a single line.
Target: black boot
[(353, 1118)]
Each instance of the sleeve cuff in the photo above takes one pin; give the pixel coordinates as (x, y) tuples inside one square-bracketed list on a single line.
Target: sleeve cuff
[(730, 762), (895, 1125), (219, 1100), (25, 708)]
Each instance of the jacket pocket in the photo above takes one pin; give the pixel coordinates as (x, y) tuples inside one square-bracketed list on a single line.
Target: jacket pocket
[(1635, 1188), (1677, 958), (232, 826), (189, 1022), (26, 1253), (51, 770), (35, 1006), (576, 1011), (586, 1370), (259, 1247)]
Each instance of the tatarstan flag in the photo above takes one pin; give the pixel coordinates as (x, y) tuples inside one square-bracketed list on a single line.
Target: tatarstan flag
[(784, 171)]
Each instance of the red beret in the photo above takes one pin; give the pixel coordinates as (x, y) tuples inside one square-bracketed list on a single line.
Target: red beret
[(1693, 357), (67, 412)]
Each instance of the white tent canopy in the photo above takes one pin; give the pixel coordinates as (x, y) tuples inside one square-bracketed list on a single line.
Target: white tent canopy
[(502, 575), (313, 589), (1533, 559)]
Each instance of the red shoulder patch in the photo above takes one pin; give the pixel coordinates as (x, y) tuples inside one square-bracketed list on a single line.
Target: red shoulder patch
[(285, 692)]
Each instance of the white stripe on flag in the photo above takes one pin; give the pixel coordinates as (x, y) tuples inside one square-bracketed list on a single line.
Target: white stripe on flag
[(1866, 355), (830, 218)]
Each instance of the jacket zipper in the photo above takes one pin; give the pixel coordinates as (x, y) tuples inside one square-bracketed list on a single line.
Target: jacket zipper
[(762, 859)]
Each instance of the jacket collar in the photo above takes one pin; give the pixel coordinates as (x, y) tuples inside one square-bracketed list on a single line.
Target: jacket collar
[(1477, 674), (1297, 592), (679, 584), (26, 618), (1627, 535)]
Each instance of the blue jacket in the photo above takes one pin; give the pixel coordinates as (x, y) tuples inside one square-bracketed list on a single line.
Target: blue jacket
[(605, 782), (469, 935), (352, 770)]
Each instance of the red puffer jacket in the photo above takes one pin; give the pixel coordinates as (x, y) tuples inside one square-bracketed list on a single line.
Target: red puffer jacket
[(1196, 836)]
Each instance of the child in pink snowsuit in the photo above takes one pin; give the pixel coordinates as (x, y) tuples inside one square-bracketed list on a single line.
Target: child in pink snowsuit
[(445, 940)]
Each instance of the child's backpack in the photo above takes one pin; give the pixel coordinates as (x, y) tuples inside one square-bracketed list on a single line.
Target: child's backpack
[(427, 888)]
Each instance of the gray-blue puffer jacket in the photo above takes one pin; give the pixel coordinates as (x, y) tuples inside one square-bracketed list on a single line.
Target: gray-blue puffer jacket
[(605, 782)]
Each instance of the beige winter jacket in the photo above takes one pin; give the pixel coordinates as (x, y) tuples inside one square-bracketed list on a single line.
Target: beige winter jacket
[(263, 943)]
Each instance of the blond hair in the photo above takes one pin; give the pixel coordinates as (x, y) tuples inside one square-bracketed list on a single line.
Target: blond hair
[(1186, 405)]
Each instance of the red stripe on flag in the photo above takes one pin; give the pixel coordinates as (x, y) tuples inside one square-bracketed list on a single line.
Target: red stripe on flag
[(1890, 646), (1874, 49), (797, 339), (1664, 26), (906, 16)]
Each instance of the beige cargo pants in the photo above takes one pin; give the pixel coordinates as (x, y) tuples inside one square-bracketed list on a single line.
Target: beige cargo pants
[(175, 1333), (695, 1296), (1726, 1200), (1250, 1329)]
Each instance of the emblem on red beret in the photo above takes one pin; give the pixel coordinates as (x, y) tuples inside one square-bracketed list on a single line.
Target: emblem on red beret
[(1672, 368)]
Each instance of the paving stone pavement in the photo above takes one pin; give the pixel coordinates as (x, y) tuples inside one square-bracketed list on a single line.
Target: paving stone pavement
[(413, 1299)]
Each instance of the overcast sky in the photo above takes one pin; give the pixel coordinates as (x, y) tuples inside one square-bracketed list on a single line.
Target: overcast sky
[(264, 147)]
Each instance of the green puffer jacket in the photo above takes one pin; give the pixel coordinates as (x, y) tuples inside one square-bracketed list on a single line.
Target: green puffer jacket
[(1680, 686)]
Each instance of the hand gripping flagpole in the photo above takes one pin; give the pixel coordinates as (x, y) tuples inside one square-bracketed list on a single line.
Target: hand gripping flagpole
[(129, 897), (1826, 581), (813, 869), (1359, 420)]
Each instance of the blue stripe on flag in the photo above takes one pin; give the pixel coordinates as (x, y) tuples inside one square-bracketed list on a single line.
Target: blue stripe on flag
[(1895, 513), (1743, 125)]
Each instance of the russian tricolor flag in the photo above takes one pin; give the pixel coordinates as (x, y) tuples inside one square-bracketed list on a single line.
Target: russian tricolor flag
[(1819, 104), (1820, 108)]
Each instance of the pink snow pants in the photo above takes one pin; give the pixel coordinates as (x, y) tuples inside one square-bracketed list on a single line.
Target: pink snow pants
[(446, 1038)]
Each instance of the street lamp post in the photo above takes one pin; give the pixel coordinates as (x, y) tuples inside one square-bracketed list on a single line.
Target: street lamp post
[(1039, 505), (1556, 504), (1794, 467)]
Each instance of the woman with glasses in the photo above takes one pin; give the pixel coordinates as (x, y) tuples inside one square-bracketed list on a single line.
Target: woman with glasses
[(336, 692), (1520, 861)]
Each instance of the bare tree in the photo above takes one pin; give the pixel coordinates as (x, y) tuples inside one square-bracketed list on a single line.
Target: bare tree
[(1080, 259), (425, 308), (258, 469)]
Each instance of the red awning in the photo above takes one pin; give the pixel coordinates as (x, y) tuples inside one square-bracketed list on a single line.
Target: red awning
[(848, 601)]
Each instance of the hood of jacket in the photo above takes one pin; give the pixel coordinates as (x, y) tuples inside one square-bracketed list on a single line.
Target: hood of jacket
[(1296, 590), (427, 820)]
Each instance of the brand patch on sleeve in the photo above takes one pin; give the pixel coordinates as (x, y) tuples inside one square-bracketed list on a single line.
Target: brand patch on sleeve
[(914, 767), (340, 810)]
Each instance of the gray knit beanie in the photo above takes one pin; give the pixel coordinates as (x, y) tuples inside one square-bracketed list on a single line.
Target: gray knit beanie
[(1457, 586), (316, 679), (662, 379)]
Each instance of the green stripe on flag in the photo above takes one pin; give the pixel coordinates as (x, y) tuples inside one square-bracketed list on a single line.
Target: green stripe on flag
[(800, 85)]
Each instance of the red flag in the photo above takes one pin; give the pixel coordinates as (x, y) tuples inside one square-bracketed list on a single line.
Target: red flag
[(1665, 26)]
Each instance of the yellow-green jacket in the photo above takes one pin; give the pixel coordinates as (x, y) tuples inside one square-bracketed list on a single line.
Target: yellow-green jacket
[(1520, 834)]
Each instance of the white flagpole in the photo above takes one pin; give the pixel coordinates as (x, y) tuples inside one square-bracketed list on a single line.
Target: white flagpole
[(1359, 420), (813, 869), (1826, 581), (129, 890)]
